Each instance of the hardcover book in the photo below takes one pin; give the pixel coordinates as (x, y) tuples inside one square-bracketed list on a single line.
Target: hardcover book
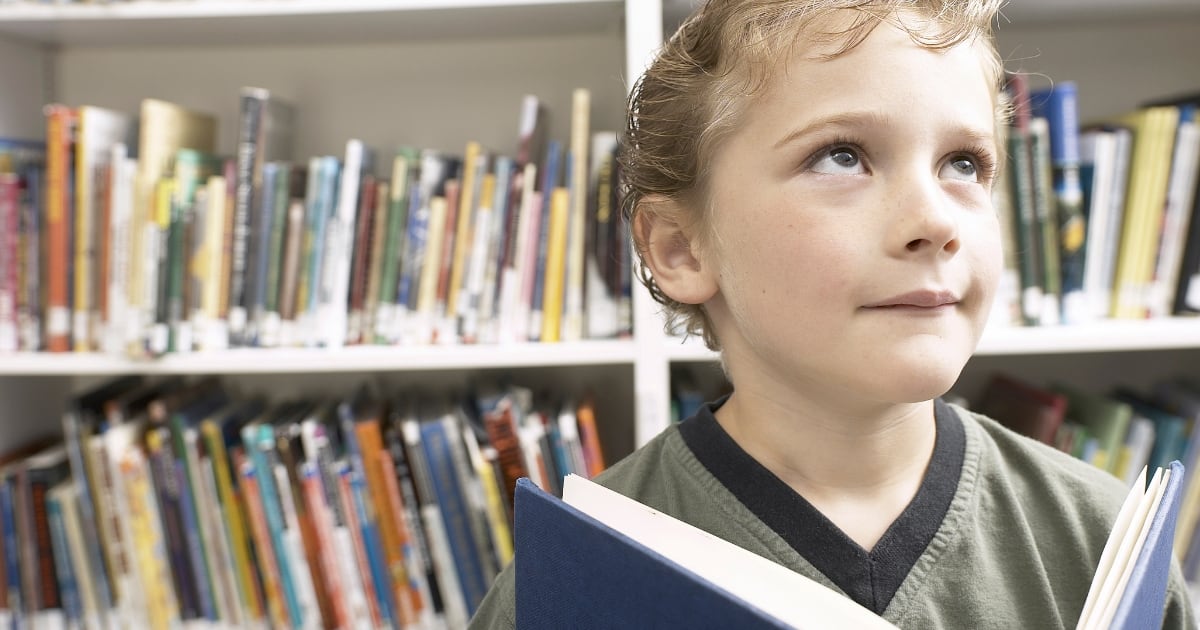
[(597, 559)]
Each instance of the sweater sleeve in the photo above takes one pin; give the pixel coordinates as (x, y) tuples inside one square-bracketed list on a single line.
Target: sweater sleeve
[(497, 611)]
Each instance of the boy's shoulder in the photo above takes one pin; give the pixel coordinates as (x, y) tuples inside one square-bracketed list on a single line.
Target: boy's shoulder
[(1036, 470), (651, 471)]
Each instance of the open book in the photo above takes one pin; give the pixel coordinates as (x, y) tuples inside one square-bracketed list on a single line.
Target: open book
[(597, 559)]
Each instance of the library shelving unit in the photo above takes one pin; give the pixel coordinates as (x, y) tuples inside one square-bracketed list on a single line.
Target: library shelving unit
[(436, 73), (426, 73)]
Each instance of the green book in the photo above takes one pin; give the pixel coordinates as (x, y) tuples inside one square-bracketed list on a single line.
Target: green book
[(1106, 419)]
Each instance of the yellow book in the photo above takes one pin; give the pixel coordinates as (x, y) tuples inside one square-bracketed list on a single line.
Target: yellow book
[(149, 549), (572, 327), (472, 161), (1154, 140), (235, 525), (497, 518), (427, 291), (552, 292), (211, 259)]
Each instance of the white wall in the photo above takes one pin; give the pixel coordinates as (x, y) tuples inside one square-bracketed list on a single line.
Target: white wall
[(25, 78)]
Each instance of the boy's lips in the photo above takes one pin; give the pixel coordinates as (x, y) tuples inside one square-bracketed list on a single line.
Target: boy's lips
[(923, 298)]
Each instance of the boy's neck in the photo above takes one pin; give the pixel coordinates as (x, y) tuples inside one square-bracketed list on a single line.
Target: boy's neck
[(858, 465)]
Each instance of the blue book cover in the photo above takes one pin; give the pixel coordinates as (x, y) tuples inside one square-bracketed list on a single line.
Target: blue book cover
[(12, 555), (259, 440), (436, 442), (195, 548), (72, 607), (264, 216), (321, 211), (573, 571), (376, 557), (1141, 605)]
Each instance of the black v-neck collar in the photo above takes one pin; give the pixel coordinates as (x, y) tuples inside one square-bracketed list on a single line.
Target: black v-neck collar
[(869, 578)]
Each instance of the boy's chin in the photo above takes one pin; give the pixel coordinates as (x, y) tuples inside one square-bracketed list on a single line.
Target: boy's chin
[(919, 383)]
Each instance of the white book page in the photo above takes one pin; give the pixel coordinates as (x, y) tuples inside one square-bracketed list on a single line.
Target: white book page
[(1152, 500), (1110, 548), (1125, 551), (767, 586)]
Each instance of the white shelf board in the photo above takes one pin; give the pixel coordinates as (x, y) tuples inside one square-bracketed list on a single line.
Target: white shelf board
[(1105, 336), (316, 360), (299, 22)]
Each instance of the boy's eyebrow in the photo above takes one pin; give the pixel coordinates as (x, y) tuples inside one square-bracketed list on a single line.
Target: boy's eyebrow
[(876, 120)]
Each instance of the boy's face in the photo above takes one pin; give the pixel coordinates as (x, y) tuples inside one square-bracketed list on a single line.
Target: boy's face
[(855, 247)]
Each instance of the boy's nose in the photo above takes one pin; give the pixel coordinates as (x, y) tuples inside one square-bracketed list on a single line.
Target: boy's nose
[(924, 221)]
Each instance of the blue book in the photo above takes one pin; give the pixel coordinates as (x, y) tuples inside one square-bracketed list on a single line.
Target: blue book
[(12, 557), (259, 440), (373, 546), (1150, 510), (437, 440), (320, 212), (574, 571), (68, 590)]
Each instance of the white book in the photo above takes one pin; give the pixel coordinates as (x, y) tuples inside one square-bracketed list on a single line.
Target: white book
[(335, 290), (1100, 149), (1176, 217), (99, 131)]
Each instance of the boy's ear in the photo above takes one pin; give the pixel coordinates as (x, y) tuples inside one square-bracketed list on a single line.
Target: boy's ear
[(671, 253)]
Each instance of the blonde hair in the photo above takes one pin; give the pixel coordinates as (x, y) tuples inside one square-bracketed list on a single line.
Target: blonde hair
[(694, 91)]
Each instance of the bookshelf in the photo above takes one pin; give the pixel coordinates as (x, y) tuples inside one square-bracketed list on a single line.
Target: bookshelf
[(411, 71), (328, 57)]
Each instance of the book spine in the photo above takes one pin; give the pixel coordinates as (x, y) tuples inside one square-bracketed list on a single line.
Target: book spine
[(259, 441), (149, 550), (474, 166), (552, 296), (1181, 190), (450, 588), (1046, 213), (314, 497), (259, 266), (9, 243), (71, 605), (395, 245), (336, 288), (379, 227), (264, 549), (220, 556), (250, 150), (293, 538), (537, 300), (573, 313), (355, 529), (59, 132), (14, 597), (437, 443), (234, 522), (29, 298), (364, 229), (469, 300)]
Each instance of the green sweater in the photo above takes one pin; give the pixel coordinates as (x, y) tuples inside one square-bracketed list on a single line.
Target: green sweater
[(1019, 538)]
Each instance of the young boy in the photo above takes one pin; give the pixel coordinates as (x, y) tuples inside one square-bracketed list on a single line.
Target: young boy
[(810, 189)]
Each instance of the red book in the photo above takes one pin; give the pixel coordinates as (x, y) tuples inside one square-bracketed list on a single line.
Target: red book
[(1024, 408)]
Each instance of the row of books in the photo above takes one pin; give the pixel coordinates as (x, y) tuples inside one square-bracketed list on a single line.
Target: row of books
[(175, 502), (1122, 432), (1100, 219), (178, 249)]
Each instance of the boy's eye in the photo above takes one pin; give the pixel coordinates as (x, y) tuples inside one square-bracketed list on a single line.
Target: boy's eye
[(962, 168), (838, 160)]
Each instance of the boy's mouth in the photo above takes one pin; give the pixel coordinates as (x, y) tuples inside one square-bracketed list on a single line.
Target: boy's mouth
[(920, 299)]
